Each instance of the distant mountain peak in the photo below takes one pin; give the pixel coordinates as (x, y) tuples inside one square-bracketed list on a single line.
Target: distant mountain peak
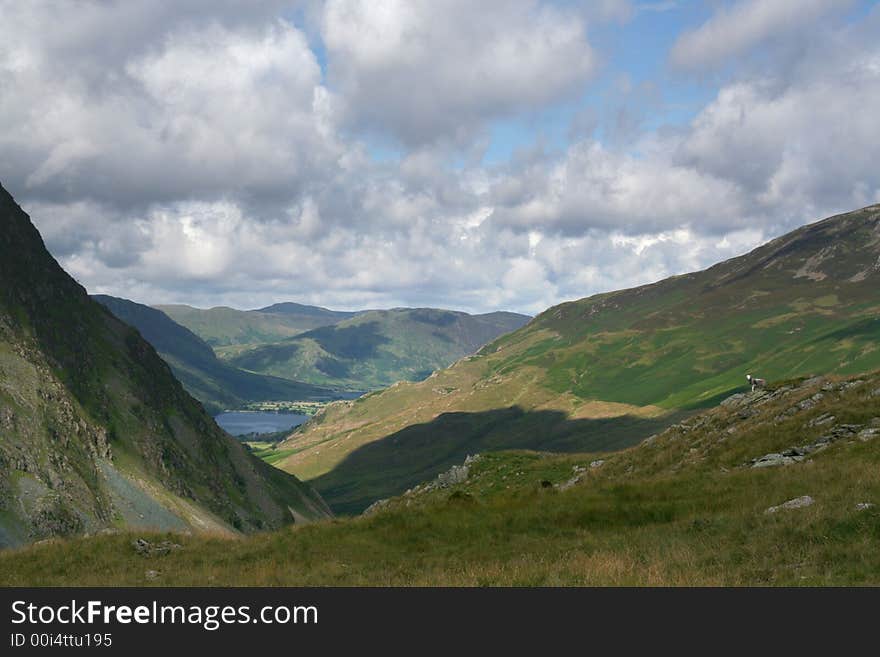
[(293, 308)]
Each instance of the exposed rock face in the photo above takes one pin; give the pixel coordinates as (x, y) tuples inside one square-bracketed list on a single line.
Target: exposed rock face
[(797, 454), (579, 474), (376, 506), (772, 460), (823, 419), (796, 503), (147, 549), (457, 474)]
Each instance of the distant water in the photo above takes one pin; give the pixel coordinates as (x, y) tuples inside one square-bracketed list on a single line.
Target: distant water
[(239, 423)]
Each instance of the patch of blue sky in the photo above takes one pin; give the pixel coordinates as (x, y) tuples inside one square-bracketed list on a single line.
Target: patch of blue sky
[(633, 79), (548, 129), (634, 91), (296, 16), (862, 9), (382, 149)]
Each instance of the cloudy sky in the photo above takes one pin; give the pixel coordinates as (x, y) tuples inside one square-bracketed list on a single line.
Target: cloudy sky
[(501, 154)]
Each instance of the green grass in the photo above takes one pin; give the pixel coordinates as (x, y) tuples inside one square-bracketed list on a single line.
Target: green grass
[(680, 510), (268, 453)]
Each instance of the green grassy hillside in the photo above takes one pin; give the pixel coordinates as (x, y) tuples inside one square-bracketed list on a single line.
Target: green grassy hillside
[(95, 431), (225, 327), (686, 507), (379, 347), (216, 384), (805, 302)]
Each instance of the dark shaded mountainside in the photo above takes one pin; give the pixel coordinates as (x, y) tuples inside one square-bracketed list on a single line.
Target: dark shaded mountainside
[(95, 431), (378, 347), (606, 371), (216, 384)]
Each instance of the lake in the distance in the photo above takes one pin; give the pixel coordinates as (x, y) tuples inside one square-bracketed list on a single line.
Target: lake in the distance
[(239, 423)]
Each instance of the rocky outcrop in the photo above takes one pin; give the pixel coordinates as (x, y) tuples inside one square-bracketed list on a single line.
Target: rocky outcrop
[(457, 474), (772, 460), (796, 503), (797, 454), (580, 473), (147, 548)]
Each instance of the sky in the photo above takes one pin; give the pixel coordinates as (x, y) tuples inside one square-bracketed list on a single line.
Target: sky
[(492, 155)]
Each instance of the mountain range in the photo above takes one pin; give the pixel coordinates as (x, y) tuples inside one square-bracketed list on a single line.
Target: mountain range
[(352, 351), (95, 431), (604, 372), (216, 384), (378, 348), (348, 351), (223, 326)]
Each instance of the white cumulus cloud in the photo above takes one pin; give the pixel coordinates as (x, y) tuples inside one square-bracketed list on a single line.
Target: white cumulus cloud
[(423, 70), (746, 24)]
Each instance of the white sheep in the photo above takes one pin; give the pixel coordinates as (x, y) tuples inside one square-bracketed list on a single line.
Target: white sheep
[(756, 383)]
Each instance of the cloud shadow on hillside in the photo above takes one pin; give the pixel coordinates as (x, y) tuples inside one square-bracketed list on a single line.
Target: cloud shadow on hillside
[(420, 452)]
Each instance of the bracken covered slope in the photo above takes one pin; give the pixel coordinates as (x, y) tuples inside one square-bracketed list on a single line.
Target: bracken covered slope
[(96, 432)]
